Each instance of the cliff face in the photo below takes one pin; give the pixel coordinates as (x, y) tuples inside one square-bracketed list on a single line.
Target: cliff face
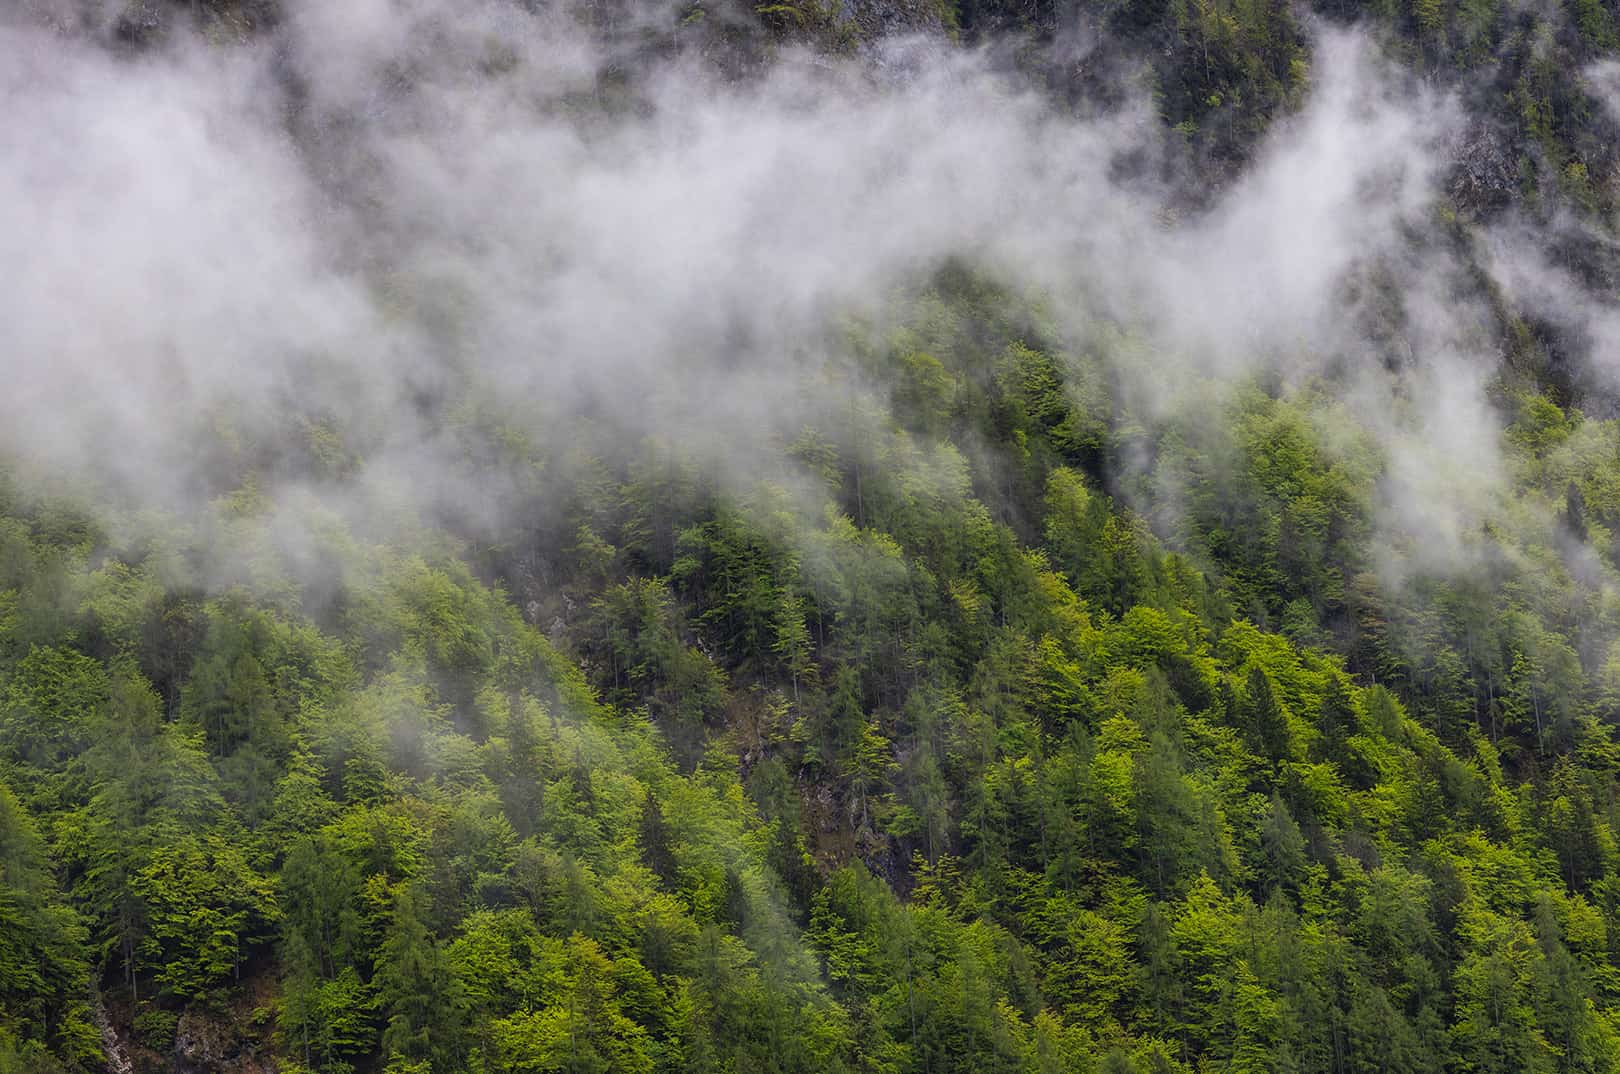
[(217, 1043)]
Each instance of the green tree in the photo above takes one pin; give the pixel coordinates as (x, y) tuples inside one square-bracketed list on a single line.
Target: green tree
[(422, 1002)]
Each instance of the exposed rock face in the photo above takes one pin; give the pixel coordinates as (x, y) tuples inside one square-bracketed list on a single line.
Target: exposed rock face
[(879, 17), (118, 1061), (1483, 176), (207, 1043)]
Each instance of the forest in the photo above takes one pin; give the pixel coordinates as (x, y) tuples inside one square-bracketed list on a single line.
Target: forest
[(969, 674)]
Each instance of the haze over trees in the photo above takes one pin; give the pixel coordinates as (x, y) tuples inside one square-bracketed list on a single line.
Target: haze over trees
[(884, 538)]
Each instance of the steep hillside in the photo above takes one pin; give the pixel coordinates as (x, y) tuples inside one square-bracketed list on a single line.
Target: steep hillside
[(883, 538)]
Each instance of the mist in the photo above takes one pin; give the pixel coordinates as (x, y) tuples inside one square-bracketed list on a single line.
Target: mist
[(372, 210), (526, 526)]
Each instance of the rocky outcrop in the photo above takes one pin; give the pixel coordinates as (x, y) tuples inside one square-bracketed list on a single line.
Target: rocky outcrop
[(118, 1061), (208, 1043)]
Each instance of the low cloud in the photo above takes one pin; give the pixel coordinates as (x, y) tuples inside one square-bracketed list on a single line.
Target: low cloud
[(372, 205)]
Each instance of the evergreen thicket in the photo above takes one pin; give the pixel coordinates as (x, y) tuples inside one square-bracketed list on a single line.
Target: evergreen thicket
[(985, 724)]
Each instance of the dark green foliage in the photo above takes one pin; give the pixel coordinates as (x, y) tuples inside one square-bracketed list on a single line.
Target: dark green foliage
[(43, 957), (975, 722), (938, 740)]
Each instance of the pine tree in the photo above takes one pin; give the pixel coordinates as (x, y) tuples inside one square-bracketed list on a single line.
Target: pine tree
[(420, 999)]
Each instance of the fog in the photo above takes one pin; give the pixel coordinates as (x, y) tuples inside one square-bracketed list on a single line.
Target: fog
[(375, 208)]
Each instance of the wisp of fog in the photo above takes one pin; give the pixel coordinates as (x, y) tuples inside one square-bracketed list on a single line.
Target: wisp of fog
[(343, 218)]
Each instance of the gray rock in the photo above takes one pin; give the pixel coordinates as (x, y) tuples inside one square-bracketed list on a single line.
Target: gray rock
[(1484, 176)]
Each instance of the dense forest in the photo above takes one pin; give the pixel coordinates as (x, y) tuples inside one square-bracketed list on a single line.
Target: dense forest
[(960, 670)]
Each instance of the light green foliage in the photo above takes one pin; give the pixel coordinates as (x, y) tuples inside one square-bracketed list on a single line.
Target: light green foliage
[(920, 750), (43, 957), (206, 906)]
